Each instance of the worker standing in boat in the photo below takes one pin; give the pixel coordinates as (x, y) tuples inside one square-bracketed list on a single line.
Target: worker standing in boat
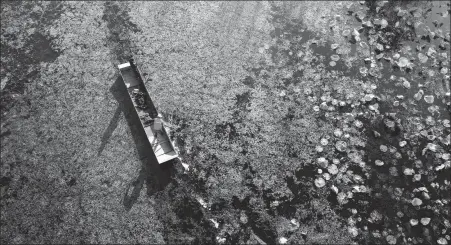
[(158, 124)]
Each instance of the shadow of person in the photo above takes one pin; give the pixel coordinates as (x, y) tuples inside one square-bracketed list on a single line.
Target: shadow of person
[(155, 176)]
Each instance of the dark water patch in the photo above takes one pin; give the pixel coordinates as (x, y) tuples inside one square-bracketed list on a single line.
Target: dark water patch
[(300, 185), (218, 207), (416, 79), (290, 114), (183, 218), (240, 110), (392, 34), (294, 79), (240, 204), (119, 26), (340, 66), (72, 181), (249, 81), (42, 49), (438, 16), (190, 210), (256, 71), (287, 29), (5, 133), (243, 100), (262, 226), (249, 175), (4, 181), (24, 63), (387, 136), (287, 209), (383, 197), (227, 130), (52, 12)]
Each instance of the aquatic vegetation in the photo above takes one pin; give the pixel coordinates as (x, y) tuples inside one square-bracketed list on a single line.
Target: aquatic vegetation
[(295, 122)]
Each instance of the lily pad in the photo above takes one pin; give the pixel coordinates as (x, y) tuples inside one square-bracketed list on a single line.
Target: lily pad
[(431, 51), (425, 220), (413, 222), (320, 182), (391, 239), (379, 163), (429, 99), (418, 95), (335, 57), (363, 70), (409, 171), (338, 132), (406, 84), (323, 162), (341, 145), (442, 241), (353, 231), (346, 33), (403, 62), (423, 58), (416, 202), (332, 169), (384, 23)]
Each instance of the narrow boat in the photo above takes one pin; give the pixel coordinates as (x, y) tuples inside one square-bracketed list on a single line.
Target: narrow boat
[(150, 119)]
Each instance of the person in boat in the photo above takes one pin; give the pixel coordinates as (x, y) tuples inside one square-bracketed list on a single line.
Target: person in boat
[(158, 124)]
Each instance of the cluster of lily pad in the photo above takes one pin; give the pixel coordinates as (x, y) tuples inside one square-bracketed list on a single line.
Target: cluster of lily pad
[(334, 172), (419, 156)]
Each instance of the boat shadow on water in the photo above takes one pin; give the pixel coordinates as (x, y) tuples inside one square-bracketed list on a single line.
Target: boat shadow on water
[(155, 176)]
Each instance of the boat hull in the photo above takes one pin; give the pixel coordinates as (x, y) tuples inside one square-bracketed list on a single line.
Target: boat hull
[(147, 113)]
